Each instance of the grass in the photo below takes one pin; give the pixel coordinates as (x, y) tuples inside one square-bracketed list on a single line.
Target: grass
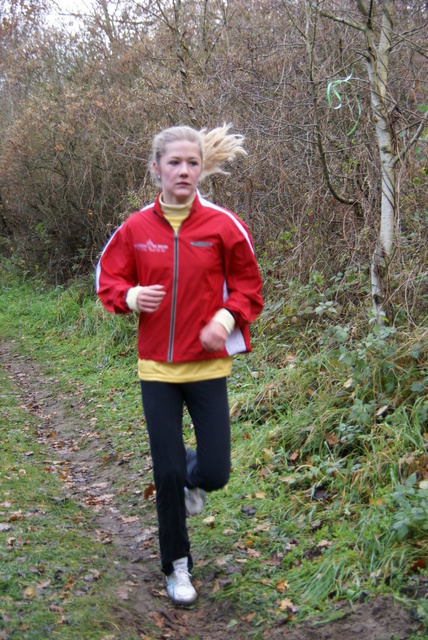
[(325, 503)]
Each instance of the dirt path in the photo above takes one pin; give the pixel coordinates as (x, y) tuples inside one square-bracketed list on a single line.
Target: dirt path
[(132, 544)]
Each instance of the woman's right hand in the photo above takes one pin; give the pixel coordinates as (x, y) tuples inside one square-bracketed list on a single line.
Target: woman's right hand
[(150, 298)]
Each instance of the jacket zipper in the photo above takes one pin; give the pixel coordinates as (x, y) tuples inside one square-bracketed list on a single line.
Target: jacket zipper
[(174, 300), (174, 290)]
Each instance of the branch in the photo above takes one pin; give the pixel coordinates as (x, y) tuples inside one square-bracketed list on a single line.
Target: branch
[(362, 8), (296, 26), (310, 50), (411, 142), (354, 25), (421, 50)]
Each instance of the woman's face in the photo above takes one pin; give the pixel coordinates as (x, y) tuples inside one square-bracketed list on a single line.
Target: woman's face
[(179, 168)]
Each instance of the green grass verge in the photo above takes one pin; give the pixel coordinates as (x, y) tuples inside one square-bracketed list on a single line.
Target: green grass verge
[(327, 501)]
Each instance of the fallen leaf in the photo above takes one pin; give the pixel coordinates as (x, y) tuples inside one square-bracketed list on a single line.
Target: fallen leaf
[(123, 592), (249, 618), (216, 587), (282, 586), (158, 619), (287, 605), (149, 491), (92, 575), (261, 495), (17, 515), (221, 562), (274, 561), (104, 537), (43, 585), (376, 574), (418, 564), (323, 544), (29, 592), (331, 439), (130, 519), (382, 410), (55, 608)]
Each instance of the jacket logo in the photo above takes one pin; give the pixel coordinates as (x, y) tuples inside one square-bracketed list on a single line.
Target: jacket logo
[(201, 244), (151, 247)]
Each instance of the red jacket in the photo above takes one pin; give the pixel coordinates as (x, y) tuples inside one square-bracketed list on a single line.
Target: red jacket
[(209, 264)]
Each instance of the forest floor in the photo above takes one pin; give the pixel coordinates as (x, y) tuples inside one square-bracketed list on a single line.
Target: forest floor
[(142, 608)]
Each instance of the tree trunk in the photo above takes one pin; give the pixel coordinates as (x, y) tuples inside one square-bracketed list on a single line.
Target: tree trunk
[(378, 63)]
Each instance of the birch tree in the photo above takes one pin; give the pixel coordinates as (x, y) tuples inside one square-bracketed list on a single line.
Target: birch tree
[(377, 55), (374, 20)]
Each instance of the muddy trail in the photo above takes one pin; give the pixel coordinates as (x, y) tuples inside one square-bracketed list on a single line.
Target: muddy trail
[(131, 542)]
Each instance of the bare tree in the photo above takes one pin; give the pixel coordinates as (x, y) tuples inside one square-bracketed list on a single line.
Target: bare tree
[(375, 22)]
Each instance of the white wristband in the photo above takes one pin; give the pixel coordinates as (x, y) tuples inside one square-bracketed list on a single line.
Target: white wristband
[(131, 297), (226, 319)]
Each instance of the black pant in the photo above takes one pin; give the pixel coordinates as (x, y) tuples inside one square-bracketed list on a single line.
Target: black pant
[(208, 406)]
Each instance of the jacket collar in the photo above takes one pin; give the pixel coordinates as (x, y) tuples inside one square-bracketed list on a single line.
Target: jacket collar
[(196, 204)]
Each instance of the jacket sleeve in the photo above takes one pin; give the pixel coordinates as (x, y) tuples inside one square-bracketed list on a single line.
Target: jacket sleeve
[(116, 271), (244, 284)]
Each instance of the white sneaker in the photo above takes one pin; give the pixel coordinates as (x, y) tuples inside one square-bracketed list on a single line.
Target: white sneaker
[(194, 500), (179, 588)]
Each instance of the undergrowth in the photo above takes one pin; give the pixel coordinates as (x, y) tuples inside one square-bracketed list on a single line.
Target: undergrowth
[(327, 501)]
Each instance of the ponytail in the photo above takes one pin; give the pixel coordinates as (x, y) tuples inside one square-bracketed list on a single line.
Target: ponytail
[(216, 147)]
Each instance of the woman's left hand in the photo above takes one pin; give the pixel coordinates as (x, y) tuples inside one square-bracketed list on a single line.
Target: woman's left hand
[(213, 336)]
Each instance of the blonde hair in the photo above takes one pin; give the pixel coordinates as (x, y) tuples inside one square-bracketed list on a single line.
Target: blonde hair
[(216, 147)]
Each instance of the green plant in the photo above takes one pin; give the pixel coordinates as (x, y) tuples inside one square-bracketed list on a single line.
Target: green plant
[(410, 504)]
